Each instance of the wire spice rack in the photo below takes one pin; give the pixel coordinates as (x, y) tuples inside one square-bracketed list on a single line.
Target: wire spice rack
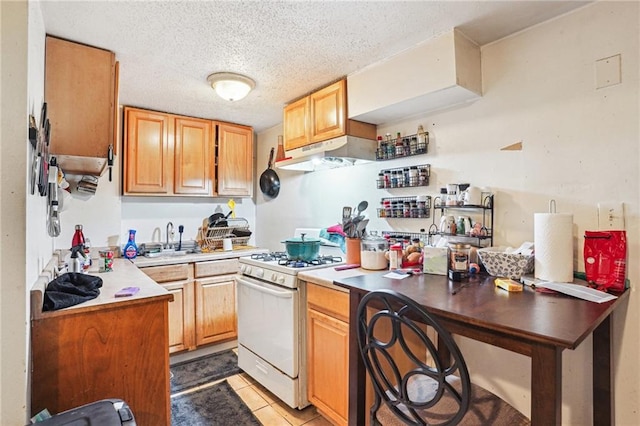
[(406, 146), (237, 229), (416, 207), (404, 177)]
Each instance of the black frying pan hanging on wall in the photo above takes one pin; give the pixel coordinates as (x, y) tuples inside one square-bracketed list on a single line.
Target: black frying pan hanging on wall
[(269, 180)]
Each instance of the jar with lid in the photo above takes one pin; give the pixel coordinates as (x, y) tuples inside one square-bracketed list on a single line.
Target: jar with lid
[(443, 197), (372, 252), (459, 261), (380, 181), (413, 176)]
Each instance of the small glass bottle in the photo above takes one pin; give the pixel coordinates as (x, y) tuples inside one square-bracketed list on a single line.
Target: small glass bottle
[(399, 146), (131, 249), (395, 257), (380, 181), (413, 176), (421, 146)]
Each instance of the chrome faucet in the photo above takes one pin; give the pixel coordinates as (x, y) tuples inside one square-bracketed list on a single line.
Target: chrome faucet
[(170, 234)]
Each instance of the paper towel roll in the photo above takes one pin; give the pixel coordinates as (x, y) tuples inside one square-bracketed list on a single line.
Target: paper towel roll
[(553, 239)]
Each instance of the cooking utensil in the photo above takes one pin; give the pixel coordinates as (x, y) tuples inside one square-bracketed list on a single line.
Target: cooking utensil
[(362, 206), (219, 219), (302, 248), (346, 213), (362, 225), (269, 180), (110, 159)]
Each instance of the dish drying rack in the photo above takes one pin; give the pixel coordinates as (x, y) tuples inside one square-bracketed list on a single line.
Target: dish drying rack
[(213, 235)]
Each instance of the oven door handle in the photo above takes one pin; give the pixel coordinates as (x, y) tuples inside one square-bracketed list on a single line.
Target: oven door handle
[(285, 294)]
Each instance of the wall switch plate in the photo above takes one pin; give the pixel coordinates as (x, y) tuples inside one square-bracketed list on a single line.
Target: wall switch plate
[(610, 216)]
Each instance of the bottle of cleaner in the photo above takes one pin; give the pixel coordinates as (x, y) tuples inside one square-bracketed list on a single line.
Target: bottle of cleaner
[(131, 249)]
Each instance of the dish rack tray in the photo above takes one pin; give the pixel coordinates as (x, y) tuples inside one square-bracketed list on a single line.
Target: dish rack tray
[(214, 235)]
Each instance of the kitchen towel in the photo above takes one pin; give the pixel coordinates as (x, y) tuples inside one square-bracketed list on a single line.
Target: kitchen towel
[(553, 240), (69, 289)]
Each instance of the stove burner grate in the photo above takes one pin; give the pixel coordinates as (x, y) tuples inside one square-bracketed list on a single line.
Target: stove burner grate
[(268, 257), (321, 260)]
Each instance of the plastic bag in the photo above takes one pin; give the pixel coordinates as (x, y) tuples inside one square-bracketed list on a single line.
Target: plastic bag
[(605, 259)]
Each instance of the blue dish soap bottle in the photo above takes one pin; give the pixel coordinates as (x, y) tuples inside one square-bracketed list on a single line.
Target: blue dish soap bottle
[(131, 249)]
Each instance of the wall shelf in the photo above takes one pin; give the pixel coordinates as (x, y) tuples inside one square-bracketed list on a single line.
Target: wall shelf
[(407, 146)]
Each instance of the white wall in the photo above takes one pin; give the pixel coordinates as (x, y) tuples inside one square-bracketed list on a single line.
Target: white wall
[(580, 147), (25, 246)]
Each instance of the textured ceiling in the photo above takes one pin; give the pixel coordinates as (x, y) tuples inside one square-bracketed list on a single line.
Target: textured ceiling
[(167, 49)]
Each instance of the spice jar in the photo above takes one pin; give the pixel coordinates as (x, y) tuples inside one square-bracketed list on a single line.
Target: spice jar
[(395, 257)]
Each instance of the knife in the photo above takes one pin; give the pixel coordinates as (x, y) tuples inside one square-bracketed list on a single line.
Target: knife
[(110, 159)]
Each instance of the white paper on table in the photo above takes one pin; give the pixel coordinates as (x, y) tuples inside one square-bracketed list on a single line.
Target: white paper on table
[(579, 291), (396, 275)]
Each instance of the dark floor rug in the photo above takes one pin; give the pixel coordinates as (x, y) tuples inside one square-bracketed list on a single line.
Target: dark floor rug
[(209, 368), (211, 406)]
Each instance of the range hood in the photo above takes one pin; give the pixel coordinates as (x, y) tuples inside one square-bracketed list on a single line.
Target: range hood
[(338, 152)]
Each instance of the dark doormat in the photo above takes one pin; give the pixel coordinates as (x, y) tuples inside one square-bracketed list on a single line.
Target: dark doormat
[(211, 406), (209, 368)]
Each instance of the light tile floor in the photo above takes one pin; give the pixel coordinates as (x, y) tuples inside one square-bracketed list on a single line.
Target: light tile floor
[(268, 409)]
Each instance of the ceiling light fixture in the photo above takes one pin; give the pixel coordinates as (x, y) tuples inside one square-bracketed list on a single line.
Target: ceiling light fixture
[(231, 86)]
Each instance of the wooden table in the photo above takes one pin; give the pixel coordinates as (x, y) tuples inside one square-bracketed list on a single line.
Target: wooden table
[(531, 323)]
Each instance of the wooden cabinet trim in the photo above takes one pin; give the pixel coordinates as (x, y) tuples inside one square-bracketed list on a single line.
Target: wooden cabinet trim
[(166, 273), (216, 267), (328, 301)]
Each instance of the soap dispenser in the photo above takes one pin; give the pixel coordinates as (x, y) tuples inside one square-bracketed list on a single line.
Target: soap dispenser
[(76, 262)]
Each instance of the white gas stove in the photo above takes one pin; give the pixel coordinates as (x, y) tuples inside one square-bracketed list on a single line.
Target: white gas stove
[(272, 322), (277, 268)]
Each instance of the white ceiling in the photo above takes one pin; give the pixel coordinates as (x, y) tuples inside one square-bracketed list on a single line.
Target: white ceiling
[(167, 49)]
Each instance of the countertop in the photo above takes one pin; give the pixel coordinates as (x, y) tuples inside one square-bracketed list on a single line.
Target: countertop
[(124, 274), (142, 261), (326, 276)]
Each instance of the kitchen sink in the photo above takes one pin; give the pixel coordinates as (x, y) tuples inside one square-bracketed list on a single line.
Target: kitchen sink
[(167, 253)]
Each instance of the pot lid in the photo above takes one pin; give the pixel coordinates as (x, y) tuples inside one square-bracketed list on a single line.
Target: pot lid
[(301, 239)]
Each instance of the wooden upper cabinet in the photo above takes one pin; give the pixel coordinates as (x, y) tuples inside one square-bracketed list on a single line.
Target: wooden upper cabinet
[(173, 155), (320, 116), (194, 157), (148, 152), (80, 92), (296, 124), (328, 112), (235, 160)]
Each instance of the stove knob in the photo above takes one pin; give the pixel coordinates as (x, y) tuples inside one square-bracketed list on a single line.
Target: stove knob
[(274, 277), (259, 273), (243, 268), (281, 279)]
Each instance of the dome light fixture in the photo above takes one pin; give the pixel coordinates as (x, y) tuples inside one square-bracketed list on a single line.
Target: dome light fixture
[(231, 86)]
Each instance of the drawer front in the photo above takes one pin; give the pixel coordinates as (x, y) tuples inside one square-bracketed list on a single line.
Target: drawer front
[(163, 274), (328, 301), (217, 267)]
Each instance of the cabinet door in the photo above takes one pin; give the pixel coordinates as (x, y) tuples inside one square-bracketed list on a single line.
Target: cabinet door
[(80, 86), (328, 365), (182, 333), (296, 124), (328, 112), (216, 309), (194, 155), (148, 152), (235, 160)]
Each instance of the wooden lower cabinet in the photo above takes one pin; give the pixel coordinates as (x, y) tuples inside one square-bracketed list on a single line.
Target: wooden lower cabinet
[(118, 351), (328, 352), (203, 310), (216, 309)]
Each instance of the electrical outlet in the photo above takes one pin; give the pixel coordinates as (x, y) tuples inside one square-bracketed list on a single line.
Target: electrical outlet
[(610, 216)]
